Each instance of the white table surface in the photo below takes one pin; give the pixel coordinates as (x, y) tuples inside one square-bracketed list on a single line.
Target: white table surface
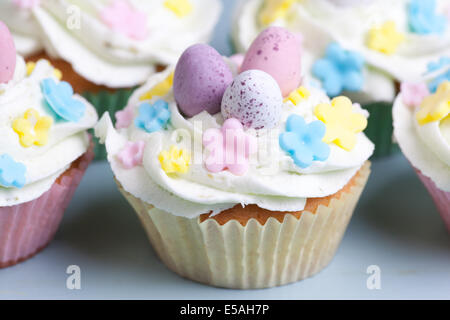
[(395, 227)]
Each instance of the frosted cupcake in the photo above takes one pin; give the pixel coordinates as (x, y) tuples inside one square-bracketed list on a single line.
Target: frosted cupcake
[(241, 180), (422, 128), (104, 48), (44, 151), (362, 49)]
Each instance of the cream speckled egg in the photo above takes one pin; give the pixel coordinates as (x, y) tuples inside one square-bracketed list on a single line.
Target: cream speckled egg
[(255, 99)]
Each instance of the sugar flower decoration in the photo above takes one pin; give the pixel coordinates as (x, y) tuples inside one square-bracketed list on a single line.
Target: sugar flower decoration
[(174, 160), (154, 117), (442, 64), (132, 154), (32, 128), (124, 117), (180, 7), (26, 4), (274, 10), (160, 90), (436, 106), (340, 70), (423, 17), (121, 17), (385, 39), (229, 148), (298, 95), (414, 93), (12, 173), (303, 142), (59, 97), (342, 123)]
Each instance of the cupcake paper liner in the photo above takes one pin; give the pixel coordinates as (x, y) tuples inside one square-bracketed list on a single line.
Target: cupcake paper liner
[(441, 198), (380, 129), (26, 229), (106, 101), (251, 256)]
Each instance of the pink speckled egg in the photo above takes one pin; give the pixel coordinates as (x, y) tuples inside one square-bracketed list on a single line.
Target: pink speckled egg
[(7, 54), (277, 52), (201, 77), (254, 98)]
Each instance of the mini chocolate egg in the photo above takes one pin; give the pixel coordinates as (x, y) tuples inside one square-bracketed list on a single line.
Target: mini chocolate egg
[(7, 54), (201, 77), (277, 52), (254, 98)]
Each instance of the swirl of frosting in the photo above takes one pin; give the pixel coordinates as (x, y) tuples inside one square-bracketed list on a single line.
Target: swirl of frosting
[(116, 43), (272, 181), (425, 144), (321, 22), (66, 140)]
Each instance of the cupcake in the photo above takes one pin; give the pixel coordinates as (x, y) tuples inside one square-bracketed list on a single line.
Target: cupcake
[(360, 48), (422, 128), (241, 180), (105, 48), (44, 151)]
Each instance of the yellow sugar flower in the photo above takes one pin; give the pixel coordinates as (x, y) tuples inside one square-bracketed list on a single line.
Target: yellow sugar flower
[(274, 10), (342, 123), (298, 95), (180, 7), (436, 106), (30, 66), (32, 128), (386, 38), (160, 90), (175, 160)]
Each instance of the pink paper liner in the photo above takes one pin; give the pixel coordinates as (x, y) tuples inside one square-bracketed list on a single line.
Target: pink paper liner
[(27, 228), (441, 198)]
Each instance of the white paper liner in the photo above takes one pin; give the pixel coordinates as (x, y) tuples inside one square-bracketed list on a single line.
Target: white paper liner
[(254, 256)]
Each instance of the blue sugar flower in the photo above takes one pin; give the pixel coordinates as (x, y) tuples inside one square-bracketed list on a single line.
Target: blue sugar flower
[(59, 97), (423, 18), (340, 70), (442, 64), (12, 173), (154, 117), (304, 142)]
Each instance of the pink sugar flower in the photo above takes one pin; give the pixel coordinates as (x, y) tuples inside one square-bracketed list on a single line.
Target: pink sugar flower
[(132, 154), (121, 17), (124, 118), (229, 148), (413, 93)]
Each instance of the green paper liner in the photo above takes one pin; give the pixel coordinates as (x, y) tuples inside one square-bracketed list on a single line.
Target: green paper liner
[(106, 101), (380, 129)]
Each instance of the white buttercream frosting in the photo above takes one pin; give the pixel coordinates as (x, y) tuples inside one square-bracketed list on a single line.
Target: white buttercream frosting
[(427, 146), (273, 181), (67, 141), (324, 21), (98, 53)]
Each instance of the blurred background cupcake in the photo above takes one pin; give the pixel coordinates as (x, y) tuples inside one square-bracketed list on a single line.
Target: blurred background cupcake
[(422, 128), (105, 48), (241, 180), (360, 48), (44, 151)]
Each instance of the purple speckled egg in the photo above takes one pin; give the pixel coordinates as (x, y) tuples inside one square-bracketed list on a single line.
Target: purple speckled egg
[(201, 77), (7, 54), (278, 52), (255, 99)]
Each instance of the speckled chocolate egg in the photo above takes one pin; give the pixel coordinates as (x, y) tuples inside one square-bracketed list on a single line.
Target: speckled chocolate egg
[(276, 51), (7, 54), (255, 99), (200, 80)]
